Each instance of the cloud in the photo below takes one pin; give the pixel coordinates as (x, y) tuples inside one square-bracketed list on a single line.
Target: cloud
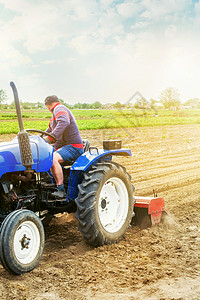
[(50, 62), (17, 6), (33, 26), (157, 10), (41, 26), (171, 31), (121, 46), (78, 11), (11, 56), (92, 71), (109, 24), (106, 3), (129, 9), (85, 44)]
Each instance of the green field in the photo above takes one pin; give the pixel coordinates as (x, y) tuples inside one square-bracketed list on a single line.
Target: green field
[(100, 119)]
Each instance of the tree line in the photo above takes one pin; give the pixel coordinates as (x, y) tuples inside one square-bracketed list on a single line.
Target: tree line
[(169, 99)]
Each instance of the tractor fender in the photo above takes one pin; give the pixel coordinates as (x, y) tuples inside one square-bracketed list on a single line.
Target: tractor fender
[(94, 155), (84, 162)]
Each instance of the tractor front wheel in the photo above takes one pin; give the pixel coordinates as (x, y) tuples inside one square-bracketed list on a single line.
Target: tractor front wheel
[(22, 241), (105, 204)]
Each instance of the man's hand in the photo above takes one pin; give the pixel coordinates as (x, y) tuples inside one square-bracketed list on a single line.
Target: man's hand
[(47, 139)]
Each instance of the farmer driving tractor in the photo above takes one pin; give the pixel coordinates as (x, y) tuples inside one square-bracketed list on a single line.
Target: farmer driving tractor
[(68, 145)]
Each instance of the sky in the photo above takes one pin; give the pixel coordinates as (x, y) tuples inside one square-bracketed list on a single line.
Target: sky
[(99, 50)]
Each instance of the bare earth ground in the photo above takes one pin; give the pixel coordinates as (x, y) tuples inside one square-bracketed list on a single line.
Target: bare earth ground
[(161, 262)]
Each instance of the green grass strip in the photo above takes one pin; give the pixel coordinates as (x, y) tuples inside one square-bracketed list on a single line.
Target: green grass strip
[(104, 123)]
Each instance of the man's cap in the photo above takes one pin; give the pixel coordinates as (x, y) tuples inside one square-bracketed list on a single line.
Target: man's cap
[(51, 99)]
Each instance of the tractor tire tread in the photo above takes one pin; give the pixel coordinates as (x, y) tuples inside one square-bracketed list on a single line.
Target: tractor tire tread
[(86, 202)]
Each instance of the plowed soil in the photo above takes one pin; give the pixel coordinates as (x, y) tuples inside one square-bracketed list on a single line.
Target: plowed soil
[(160, 262)]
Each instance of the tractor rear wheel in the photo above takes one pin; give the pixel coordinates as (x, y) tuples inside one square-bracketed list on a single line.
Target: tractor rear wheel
[(105, 204), (22, 241)]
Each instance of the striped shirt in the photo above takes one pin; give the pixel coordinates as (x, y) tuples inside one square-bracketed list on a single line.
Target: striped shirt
[(63, 126)]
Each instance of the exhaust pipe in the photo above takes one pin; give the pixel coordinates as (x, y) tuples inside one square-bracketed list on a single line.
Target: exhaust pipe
[(23, 137)]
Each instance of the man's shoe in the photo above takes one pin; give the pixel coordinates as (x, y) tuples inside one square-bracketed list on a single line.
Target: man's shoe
[(60, 193)]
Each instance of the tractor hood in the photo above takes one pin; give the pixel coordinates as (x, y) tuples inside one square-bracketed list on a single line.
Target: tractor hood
[(10, 159)]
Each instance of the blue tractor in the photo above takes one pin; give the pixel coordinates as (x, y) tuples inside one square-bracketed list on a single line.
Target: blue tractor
[(99, 191)]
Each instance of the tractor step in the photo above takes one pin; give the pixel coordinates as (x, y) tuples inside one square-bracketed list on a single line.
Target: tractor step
[(49, 185), (60, 206), (57, 201), (147, 207)]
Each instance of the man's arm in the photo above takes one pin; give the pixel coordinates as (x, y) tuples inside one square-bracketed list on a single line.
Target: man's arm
[(47, 138), (62, 119), (48, 130)]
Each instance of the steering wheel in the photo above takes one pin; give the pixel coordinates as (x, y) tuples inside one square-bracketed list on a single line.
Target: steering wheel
[(42, 133)]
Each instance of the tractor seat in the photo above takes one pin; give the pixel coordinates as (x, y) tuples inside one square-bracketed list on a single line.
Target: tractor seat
[(86, 146)]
